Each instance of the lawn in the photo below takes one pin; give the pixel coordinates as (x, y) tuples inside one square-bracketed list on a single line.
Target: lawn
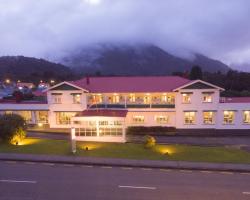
[(131, 151)]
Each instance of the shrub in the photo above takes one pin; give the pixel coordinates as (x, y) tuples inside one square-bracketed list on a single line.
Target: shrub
[(12, 128), (155, 130), (149, 141)]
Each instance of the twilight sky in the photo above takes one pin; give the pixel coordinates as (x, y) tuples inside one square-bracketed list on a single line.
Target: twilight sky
[(50, 28)]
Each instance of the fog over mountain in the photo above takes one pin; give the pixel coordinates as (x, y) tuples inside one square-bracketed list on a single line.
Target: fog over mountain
[(53, 29)]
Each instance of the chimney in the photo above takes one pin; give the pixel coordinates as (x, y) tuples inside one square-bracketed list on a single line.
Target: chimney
[(87, 80)]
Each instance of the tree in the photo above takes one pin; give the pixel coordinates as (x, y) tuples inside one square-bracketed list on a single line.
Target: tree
[(12, 128), (196, 73)]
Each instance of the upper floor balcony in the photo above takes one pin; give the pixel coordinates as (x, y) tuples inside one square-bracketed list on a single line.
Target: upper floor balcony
[(161, 100)]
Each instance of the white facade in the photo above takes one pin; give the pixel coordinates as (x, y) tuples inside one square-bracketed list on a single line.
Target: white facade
[(196, 105)]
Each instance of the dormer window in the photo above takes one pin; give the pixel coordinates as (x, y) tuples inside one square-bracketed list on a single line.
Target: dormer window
[(76, 98), (186, 97), (207, 97)]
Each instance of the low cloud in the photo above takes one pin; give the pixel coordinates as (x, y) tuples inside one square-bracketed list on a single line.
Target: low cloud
[(52, 28)]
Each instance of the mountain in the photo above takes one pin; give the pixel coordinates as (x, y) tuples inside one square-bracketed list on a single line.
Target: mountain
[(136, 60), (32, 69), (245, 67)]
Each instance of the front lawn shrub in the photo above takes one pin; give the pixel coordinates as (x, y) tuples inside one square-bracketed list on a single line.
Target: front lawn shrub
[(12, 128), (149, 142)]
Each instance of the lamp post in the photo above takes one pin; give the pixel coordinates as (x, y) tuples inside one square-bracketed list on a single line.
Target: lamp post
[(73, 140)]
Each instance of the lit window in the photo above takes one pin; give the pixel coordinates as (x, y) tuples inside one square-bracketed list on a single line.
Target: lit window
[(207, 97), (96, 99), (167, 99), (228, 117), (208, 117), (147, 99), (132, 98), (186, 98), (189, 117), (63, 118), (115, 98), (57, 99), (138, 119), (77, 98), (161, 119), (246, 117), (103, 123)]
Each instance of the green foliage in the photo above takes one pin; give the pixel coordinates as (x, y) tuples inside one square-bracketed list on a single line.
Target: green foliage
[(152, 130), (12, 128), (149, 142), (196, 73)]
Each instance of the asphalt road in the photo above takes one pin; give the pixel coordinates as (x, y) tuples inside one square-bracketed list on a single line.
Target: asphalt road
[(24, 181)]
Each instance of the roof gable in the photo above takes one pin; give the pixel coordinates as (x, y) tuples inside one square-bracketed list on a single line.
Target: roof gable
[(198, 84), (66, 86)]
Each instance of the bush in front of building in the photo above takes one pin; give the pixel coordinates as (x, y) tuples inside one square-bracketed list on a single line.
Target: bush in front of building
[(152, 130), (149, 141), (12, 128)]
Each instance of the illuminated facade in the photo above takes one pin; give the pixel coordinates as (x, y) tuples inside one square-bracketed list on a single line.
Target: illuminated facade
[(100, 108)]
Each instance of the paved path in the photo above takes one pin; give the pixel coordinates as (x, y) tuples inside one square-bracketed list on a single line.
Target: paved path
[(63, 181)]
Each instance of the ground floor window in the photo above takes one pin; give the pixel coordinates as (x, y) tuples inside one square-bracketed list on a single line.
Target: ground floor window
[(228, 117), (42, 117), (26, 115), (208, 117), (110, 131), (138, 119), (246, 117), (189, 117), (63, 118), (161, 119)]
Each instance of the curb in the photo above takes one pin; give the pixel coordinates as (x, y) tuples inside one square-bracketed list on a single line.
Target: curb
[(116, 162)]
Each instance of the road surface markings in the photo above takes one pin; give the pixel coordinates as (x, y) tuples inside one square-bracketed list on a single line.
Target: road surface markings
[(11, 162), (29, 163), (185, 171), (49, 164), (207, 172), (17, 181), (87, 166), (166, 170), (227, 173), (68, 165), (136, 187), (246, 193), (106, 167), (146, 169), (245, 173), (127, 168)]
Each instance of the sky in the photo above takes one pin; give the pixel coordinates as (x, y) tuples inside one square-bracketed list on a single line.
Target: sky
[(51, 28)]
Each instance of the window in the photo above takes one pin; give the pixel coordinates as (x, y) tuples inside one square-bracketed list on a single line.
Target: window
[(146, 99), (189, 117), (207, 97), (76, 98), (208, 117), (96, 99), (186, 98), (115, 98), (138, 119), (228, 117), (26, 115), (63, 118), (103, 123), (57, 99), (161, 119), (42, 117), (167, 99), (132, 98), (246, 117)]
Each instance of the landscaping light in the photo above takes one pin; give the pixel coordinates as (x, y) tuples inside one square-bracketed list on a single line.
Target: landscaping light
[(40, 124), (7, 80)]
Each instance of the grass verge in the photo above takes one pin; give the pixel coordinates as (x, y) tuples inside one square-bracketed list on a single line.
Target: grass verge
[(130, 151)]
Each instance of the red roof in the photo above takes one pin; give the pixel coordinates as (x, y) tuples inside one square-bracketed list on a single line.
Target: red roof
[(235, 100), (11, 101), (103, 113), (131, 84)]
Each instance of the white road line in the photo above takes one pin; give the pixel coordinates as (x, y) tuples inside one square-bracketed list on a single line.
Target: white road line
[(146, 169), (245, 173), (87, 166), (137, 187), (185, 171), (49, 164), (166, 170), (228, 173), (208, 172), (127, 168), (246, 193), (17, 181)]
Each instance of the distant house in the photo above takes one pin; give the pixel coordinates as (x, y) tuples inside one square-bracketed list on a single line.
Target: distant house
[(22, 85), (101, 108)]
